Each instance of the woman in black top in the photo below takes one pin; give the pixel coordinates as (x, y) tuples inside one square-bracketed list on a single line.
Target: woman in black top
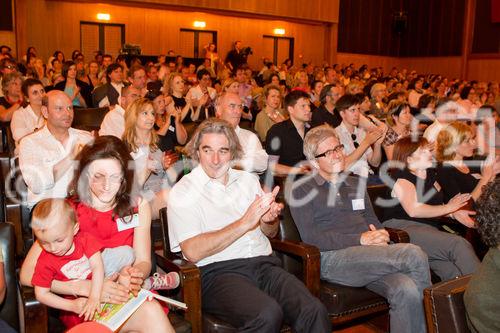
[(454, 143), (419, 207), (78, 91)]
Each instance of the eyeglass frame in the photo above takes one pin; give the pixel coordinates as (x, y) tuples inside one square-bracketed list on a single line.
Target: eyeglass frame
[(337, 149)]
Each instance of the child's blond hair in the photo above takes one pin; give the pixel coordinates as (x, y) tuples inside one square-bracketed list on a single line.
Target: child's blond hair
[(50, 211)]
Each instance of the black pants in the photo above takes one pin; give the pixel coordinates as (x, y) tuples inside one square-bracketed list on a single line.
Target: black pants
[(257, 295)]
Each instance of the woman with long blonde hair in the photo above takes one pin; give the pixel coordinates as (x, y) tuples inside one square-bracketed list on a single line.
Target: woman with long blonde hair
[(150, 163)]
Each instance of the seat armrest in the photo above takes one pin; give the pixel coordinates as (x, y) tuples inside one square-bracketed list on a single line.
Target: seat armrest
[(191, 286), (311, 260), (398, 235), (36, 317)]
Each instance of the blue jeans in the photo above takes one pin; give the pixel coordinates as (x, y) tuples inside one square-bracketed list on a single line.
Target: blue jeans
[(398, 272), (449, 255)]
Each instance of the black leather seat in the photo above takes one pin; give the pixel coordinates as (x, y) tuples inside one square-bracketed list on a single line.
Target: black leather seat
[(343, 303), (34, 314), (89, 119), (444, 306)]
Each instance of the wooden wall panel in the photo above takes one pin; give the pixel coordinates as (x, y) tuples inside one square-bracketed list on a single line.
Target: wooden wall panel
[(371, 60), (324, 11), (479, 69), (484, 69), (8, 38), (157, 30), (447, 66)]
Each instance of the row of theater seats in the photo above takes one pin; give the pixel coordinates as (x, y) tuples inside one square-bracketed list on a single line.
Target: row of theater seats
[(444, 304)]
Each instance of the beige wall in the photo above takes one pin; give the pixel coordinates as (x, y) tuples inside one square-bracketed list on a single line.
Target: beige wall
[(55, 25)]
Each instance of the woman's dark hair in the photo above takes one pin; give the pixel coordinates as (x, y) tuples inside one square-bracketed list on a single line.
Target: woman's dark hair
[(360, 97), (57, 53), (314, 83), (106, 147), (413, 82), (65, 68), (75, 54), (270, 79), (395, 95), (27, 84), (405, 147), (488, 213), (464, 94), (111, 68), (425, 100)]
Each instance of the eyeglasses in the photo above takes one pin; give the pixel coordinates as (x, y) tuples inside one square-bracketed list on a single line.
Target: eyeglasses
[(354, 137), (336, 150)]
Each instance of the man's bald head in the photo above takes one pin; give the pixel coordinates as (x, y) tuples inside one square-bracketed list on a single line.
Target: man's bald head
[(229, 108), (57, 108), (52, 95)]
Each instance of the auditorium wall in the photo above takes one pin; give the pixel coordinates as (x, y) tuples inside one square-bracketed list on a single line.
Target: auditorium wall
[(51, 25)]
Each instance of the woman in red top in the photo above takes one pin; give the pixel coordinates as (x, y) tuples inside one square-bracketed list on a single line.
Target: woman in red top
[(108, 211)]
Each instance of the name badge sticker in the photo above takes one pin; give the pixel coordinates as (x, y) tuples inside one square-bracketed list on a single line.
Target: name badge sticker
[(128, 222), (358, 204), (171, 128)]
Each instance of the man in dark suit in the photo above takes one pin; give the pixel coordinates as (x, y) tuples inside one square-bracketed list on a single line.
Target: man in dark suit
[(109, 94)]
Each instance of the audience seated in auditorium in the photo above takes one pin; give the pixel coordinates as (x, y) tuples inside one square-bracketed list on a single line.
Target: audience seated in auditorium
[(341, 222), (46, 156)]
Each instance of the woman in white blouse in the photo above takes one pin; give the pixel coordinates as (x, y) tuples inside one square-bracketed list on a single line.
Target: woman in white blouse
[(28, 119)]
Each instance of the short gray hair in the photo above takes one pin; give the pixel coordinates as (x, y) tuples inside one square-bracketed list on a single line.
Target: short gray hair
[(314, 137), (219, 126)]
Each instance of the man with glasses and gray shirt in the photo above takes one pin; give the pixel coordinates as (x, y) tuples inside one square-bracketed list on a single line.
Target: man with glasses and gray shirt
[(333, 212)]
